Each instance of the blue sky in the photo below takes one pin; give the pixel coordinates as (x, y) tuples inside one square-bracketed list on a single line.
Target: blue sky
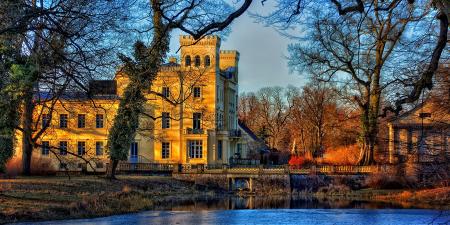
[(263, 53)]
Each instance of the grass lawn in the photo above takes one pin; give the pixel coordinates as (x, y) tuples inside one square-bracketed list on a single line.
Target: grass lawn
[(49, 198)]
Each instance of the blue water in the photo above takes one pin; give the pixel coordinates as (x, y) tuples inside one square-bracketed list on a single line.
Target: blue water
[(273, 216)]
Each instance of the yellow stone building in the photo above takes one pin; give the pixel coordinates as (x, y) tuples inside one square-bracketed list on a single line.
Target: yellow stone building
[(191, 114), (422, 134)]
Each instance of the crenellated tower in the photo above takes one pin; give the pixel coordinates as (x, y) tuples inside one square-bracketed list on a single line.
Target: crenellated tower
[(206, 50)]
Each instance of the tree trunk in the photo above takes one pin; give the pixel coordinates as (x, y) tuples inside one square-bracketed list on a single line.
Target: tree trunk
[(27, 145), (126, 122), (112, 173), (369, 138)]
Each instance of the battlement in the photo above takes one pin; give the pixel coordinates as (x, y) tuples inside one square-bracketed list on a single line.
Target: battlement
[(229, 54), (228, 58), (207, 40)]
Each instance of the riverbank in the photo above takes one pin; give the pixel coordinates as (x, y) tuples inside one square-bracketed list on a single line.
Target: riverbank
[(433, 198), (53, 198)]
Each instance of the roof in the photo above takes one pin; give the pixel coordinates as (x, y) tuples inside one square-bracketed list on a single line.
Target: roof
[(248, 131), (102, 87), (98, 89), (170, 64)]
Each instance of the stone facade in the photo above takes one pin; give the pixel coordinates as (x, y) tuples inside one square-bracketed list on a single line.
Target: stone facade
[(194, 100)]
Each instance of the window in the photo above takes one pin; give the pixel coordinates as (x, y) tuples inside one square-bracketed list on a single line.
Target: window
[(196, 121), (219, 149), (99, 165), (166, 92), (165, 150), (239, 148), (207, 61), (197, 92), (63, 120), (99, 148), (187, 60), (81, 148), (45, 147), (195, 149), (197, 61), (81, 120), (165, 120), (99, 121), (45, 120), (134, 150), (63, 147)]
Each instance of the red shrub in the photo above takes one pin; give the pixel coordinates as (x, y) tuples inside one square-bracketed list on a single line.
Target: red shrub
[(296, 162)]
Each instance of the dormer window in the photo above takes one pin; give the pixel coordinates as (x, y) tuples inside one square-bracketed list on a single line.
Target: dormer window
[(197, 61), (187, 60), (207, 61)]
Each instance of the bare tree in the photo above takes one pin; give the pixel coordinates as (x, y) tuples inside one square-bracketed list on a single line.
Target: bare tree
[(60, 44), (366, 46)]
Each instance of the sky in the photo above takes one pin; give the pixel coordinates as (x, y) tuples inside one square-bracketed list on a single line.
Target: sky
[(263, 53)]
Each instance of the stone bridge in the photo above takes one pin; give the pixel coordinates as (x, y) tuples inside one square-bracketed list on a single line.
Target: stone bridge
[(279, 179)]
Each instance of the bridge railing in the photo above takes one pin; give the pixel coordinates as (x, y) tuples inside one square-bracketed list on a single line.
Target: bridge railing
[(145, 167), (337, 169), (284, 169), (250, 169)]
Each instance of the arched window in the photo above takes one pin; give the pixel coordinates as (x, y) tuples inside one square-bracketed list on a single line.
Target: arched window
[(187, 60), (207, 61), (197, 61)]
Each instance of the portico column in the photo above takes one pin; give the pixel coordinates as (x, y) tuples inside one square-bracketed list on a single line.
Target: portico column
[(391, 143)]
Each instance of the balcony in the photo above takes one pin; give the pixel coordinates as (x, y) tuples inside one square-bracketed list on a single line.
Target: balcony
[(194, 131), (235, 133)]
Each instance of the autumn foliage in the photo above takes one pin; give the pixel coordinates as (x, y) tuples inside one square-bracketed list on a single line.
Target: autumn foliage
[(344, 155), (296, 162)]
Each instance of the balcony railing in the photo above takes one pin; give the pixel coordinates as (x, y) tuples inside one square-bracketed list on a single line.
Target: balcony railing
[(235, 133), (194, 131)]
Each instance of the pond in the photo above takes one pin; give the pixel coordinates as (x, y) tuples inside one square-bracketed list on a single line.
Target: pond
[(270, 210)]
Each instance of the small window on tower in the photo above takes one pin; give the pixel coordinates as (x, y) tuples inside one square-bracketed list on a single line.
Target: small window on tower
[(187, 60), (207, 61), (197, 61), (197, 92)]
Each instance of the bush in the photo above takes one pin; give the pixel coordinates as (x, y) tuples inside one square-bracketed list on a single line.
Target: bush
[(296, 162), (388, 181), (345, 155)]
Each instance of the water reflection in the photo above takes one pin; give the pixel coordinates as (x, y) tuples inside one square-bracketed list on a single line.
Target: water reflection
[(266, 202), (272, 216), (268, 210)]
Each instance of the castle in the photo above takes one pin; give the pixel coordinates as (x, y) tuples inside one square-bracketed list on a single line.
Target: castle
[(190, 115)]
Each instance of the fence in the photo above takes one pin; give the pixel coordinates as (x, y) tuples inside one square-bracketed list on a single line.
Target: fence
[(250, 169)]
